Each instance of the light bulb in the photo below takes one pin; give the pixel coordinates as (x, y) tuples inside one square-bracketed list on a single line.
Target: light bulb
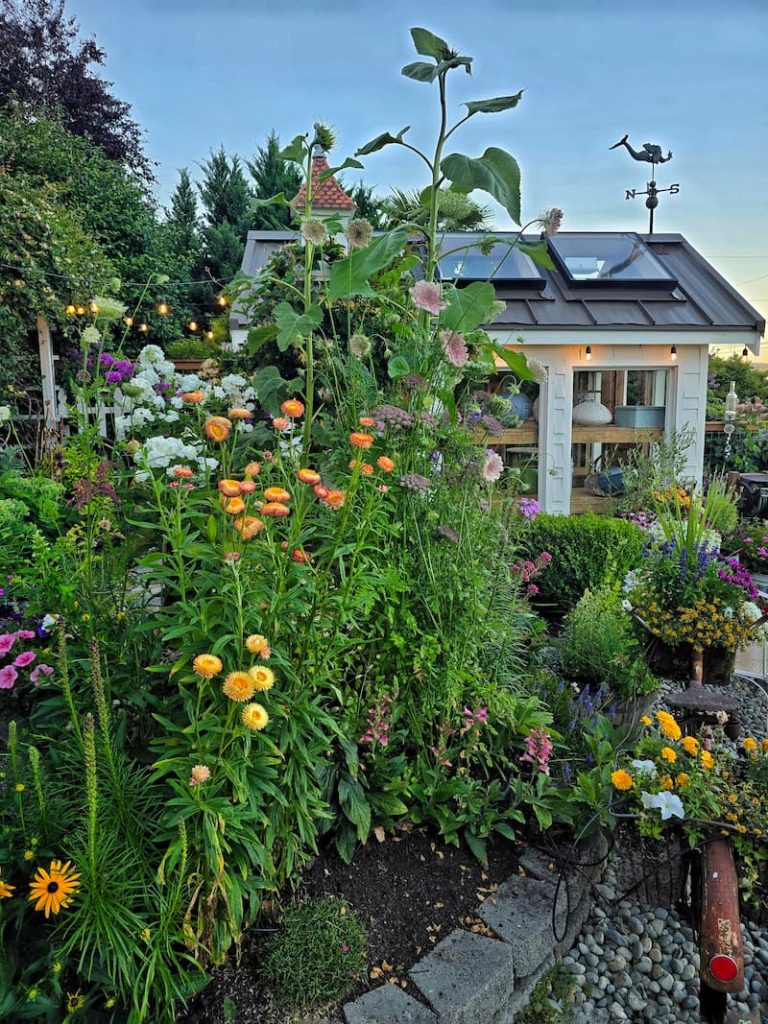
[(162, 308), (143, 328), (221, 300), (80, 310), (588, 354), (193, 325), (209, 335), (128, 321), (673, 353)]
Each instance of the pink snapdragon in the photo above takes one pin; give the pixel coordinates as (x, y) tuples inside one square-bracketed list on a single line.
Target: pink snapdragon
[(378, 723), (538, 749)]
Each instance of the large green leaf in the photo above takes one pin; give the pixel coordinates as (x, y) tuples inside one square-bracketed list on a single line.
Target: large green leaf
[(296, 150), (495, 172), (430, 45), (350, 276), (355, 806), (257, 337), (293, 326), (494, 106), (271, 388), (468, 307), (398, 367), (278, 200), (385, 139), (349, 162), (420, 71), (539, 253), (516, 361)]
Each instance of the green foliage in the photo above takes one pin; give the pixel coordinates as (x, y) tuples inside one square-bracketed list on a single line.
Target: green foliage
[(318, 956), (549, 1001), (599, 645), (272, 174), (657, 469), (750, 381), (587, 551)]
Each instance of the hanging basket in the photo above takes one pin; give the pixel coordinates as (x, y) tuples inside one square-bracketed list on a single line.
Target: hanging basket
[(675, 662)]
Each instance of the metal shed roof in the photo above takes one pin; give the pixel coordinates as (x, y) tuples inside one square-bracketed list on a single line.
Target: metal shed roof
[(702, 299)]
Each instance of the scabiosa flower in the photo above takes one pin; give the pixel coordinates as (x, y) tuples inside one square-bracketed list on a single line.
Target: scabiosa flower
[(360, 346), (393, 415), (254, 716), (239, 686), (492, 466), (207, 666), (415, 482), (454, 348), (427, 296), (313, 230), (199, 774), (359, 233), (529, 508), (551, 220)]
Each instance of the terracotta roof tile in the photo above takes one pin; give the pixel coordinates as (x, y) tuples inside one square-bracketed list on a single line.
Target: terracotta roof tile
[(326, 195)]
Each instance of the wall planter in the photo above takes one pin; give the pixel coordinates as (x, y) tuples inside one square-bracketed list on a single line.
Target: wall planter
[(188, 365)]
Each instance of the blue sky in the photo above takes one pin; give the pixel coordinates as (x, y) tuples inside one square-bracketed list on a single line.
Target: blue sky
[(691, 76)]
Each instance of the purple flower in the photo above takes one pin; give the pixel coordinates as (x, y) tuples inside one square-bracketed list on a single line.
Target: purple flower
[(106, 359), (113, 377), (454, 348), (427, 296), (415, 482), (8, 676), (529, 508)]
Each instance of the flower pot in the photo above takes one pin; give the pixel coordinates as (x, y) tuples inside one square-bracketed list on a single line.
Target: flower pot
[(677, 662), (761, 581), (629, 712), (590, 412), (651, 871)]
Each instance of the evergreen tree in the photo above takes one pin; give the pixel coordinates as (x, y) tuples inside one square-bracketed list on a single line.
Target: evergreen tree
[(369, 205), (181, 217), (225, 193), (272, 174)]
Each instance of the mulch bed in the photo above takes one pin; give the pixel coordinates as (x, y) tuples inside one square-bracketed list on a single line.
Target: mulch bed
[(409, 891)]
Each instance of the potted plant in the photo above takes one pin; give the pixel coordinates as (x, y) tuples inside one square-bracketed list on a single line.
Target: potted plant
[(189, 354), (750, 545)]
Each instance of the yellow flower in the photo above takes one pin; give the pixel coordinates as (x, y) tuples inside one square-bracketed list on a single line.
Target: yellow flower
[(263, 678), (218, 428), (669, 755), (732, 798), (621, 780), (707, 760), (691, 745), (666, 782), (239, 686), (256, 643), (53, 889), (6, 890), (29, 855), (19, 787), (145, 934), (56, 967), (682, 780), (207, 665), (749, 744), (75, 1001), (255, 717), (645, 720), (764, 746), (668, 725)]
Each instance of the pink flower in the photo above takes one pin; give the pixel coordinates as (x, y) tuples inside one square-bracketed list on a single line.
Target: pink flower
[(199, 774), (538, 749), (8, 676), (427, 296), (26, 634), (454, 347), (492, 466), (43, 669), (481, 715), (25, 659), (7, 640)]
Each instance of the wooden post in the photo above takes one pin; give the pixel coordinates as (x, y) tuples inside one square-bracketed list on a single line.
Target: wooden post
[(47, 374)]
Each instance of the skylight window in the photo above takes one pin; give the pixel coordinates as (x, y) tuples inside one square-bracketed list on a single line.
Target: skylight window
[(621, 258), (502, 264)]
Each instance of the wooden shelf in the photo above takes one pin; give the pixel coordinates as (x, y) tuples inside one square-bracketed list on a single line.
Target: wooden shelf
[(528, 433)]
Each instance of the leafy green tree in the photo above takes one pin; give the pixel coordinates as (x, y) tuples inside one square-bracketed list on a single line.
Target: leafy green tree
[(47, 69), (273, 174)]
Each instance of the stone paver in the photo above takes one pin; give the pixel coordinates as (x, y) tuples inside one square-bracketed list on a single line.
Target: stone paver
[(387, 1005), (520, 912)]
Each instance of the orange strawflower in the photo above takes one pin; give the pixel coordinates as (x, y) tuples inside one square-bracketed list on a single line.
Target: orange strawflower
[(247, 487), (193, 397), (366, 421), (248, 526), (275, 509), (240, 414), (320, 491), (207, 665), (292, 407), (254, 716), (239, 686), (385, 463), (365, 467), (256, 643), (218, 428), (200, 773), (230, 488), (252, 469), (280, 423), (334, 499), (277, 494), (301, 557), (182, 472), (263, 678), (360, 440), (235, 506), (308, 476)]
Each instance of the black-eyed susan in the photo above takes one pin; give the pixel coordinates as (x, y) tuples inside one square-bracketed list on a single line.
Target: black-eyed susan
[(239, 686), (207, 665), (263, 678), (54, 888), (254, 717)]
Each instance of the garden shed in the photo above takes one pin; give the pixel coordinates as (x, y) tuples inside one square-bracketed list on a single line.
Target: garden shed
[(623, 324)]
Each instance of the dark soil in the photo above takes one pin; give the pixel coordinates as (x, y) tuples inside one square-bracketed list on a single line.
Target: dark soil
[(409, 891)]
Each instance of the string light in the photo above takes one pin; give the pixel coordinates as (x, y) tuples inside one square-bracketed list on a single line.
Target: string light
[(673, 353), (193, 325), (221, 301), (128, 321), (80, 311), (162, 308), (143, 328), (588, 354), (209, 335), (745, 353)]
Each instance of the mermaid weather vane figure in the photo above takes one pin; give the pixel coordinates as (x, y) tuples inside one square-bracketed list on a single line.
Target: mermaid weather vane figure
[(649, 154)]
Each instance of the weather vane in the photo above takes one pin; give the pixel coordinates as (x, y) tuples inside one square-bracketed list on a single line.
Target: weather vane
[(650, 154)]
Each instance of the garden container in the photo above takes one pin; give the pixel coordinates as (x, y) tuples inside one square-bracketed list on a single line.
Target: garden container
[(761, 581), (639, 416), (650, 871), (676, 662), (629, 712)]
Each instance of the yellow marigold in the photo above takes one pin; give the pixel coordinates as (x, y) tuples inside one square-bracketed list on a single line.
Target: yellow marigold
[(256, 643), (668, 725), (263, 678), (666, 782), (239, 686), (621, 779), (682, 780), (707, 760), (645, 720), (254, 716), (668, 754), (749, 744), (207, 665), (218, 428), (691, 745)]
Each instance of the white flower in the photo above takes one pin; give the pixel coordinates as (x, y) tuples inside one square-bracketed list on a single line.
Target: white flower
[(538, 369), (151, 354), (631, 580), (670, 805), (645, 768), (90, 336), (728, 613), (492, 466), (751, 611), (5, 413)]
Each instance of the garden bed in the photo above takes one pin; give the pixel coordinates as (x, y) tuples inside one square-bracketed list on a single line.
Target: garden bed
[(409, 892)]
